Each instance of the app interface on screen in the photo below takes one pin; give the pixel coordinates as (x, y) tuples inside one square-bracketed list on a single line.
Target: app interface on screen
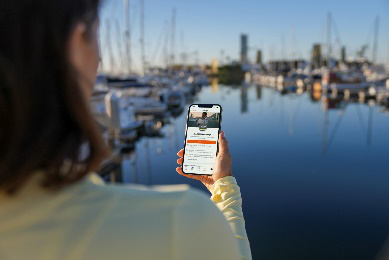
[(201, 139)]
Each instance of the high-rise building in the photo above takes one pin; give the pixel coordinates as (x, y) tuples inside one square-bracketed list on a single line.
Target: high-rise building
[(214, 66), (343, 54), (317, 57), (259, 57), (243, 48)]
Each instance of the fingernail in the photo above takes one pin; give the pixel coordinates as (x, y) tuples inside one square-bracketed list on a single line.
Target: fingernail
[(223, 134)]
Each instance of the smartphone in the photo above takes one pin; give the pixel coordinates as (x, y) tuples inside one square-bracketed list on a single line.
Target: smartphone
[(201, 138)]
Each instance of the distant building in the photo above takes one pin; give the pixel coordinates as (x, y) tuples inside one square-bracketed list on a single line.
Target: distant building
[(343, 54), (243, 48), (283, 66), (259, 57), (214, 66), (317, 58)]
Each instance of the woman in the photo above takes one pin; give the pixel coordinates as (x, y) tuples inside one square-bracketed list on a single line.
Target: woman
[(202, 122), (51, 205)]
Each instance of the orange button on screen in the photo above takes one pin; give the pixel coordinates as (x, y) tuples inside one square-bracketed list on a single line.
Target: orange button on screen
[(200, 142)]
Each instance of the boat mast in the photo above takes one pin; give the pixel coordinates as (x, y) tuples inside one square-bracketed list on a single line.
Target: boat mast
[(166, 45), (183, 53), (128, 34), (322, 36), (109, 46), (328, 40), (172, 35), (119, 46), (142, 36), (387, 55), (375, 46), (293, 45), (283, 47)]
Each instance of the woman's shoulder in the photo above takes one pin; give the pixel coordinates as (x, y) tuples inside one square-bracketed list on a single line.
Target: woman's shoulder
[(183, 217), (173, 196)]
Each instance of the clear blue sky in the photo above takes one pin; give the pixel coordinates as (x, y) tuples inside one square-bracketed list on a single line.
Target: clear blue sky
[(209, 26)]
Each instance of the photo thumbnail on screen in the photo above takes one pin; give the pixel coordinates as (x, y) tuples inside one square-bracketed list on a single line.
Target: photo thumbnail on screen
[(204, 120)]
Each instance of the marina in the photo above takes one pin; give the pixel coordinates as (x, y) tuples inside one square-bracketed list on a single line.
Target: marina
[(293, 154), (308, 134)]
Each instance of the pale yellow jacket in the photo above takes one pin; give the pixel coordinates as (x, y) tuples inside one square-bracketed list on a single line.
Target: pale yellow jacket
[(93, 220)]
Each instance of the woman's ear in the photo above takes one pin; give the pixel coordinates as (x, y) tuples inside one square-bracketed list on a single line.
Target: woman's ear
[(83, 51), (77, 45)]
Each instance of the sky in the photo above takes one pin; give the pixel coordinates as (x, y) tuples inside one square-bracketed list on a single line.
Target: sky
[(208, 29)]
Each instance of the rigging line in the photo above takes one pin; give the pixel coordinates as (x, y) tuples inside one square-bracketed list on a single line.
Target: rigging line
[(336, 31), (336, 127), (134, 18), (119, 44), (166, 45), (158, 45), (109, 46), (132, 26), (369, 35), (142, 36)]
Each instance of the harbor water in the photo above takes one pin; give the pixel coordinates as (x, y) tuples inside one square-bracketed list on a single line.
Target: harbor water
[(314, 178)]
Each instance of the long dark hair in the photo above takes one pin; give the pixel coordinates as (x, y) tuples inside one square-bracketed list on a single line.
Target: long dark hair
[(44, 119)]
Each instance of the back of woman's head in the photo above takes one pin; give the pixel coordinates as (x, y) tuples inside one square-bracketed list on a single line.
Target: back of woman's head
[(44, 117)]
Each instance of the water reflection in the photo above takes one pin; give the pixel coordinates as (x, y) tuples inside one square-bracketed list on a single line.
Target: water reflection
[(313, 171), (215, 84), (244, 100), (259, 92)]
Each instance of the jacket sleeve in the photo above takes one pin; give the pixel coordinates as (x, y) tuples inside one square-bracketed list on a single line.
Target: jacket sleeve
[(200, 230), (227, 197)]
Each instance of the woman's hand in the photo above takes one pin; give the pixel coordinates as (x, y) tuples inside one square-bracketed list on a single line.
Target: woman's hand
[(222, 166)]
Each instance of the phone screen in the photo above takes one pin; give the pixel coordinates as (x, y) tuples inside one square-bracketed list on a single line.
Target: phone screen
[(201, 139)]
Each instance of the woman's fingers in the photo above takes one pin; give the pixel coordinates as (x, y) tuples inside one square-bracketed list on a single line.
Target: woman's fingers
[(180, 153), (179, 170), (223, 144), (179, 161)]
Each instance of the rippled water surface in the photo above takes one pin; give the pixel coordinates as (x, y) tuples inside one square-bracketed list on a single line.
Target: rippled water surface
[(314, 181)]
